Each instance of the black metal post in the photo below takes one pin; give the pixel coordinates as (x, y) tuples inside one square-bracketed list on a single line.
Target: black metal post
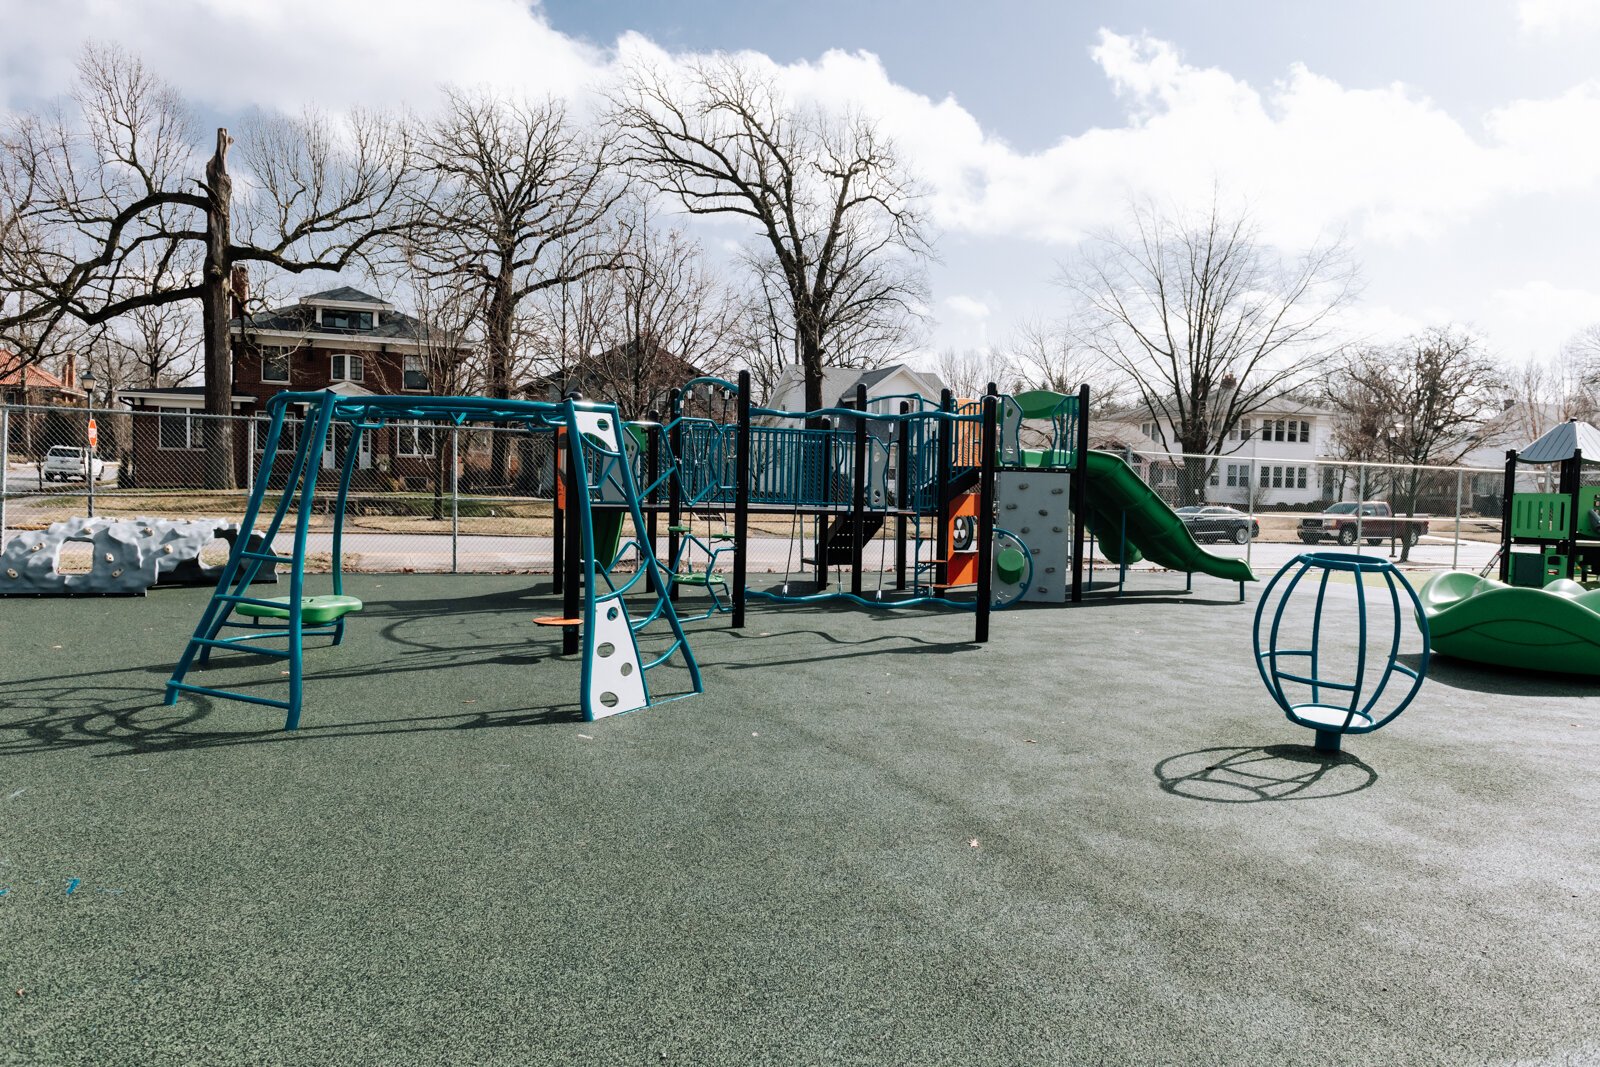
[(570, 603), (941, 467), (1080, 492), (741, 502), (902, 494), (558, 515), (652, 471), (675, 486), (991, 406), (1574, 517), (858, 500), (1506, 491)]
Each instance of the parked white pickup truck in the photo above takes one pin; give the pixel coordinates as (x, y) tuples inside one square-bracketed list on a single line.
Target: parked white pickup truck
[(64, 463)]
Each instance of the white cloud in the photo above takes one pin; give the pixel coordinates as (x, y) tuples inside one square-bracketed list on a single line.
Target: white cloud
[(287, 53), (967, 307), (1537, 316), (1555, 16)]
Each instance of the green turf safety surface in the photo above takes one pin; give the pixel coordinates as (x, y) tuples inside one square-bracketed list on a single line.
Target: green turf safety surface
[(868, 842), (313, 609)]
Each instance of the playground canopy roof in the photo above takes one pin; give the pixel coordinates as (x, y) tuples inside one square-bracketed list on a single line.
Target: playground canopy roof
[(1559, 443)]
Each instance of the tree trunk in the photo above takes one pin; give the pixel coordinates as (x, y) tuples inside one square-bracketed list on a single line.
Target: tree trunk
[(219, 472), (501, 320)]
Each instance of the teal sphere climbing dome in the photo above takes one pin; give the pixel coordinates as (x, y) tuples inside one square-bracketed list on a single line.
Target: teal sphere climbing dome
[(1309, 683)]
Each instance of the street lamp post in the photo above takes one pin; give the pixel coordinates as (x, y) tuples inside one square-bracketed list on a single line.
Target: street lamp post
[(89, 380)]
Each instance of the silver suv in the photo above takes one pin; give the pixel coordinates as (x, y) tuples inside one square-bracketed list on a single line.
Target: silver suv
[(64, 462)]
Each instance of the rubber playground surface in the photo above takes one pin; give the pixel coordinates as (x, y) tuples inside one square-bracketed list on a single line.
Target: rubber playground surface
[(1094, 840)]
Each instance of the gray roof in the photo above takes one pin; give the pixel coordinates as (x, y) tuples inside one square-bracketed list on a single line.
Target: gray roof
[(346, 294), (1561, 441), (302, 319)]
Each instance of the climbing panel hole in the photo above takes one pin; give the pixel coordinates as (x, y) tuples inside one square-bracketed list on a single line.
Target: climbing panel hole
[(605, 650), (77, 557), (611, 614), (608, 699), (604, 424), (215, 553), (627, 669)]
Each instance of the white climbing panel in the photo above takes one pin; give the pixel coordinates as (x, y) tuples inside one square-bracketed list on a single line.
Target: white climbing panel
[(1034, 505), (611, 662)]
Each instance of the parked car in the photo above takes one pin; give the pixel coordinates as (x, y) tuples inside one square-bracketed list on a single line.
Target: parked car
[(64, 463), (1374, 521), (1218, 523)]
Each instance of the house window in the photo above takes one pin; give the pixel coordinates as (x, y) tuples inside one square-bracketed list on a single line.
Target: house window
[(1266, 477), (1242, 431), (344, 319), (286, 442), (1157, 474), (1148, 429), (414, 374), (345, 367), (1215, 476), (177, 429), (1233, 474), (415, 439), (1300, 478), (275, 364), (1277, 477)]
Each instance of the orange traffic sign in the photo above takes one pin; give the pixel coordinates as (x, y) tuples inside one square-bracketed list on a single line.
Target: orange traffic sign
[(94, 434)]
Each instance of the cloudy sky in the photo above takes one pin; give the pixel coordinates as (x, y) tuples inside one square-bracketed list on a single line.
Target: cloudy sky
[(1454, 143)]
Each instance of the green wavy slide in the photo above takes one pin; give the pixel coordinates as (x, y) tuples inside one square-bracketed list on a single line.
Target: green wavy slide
[(1556, 628), (1115, 495)]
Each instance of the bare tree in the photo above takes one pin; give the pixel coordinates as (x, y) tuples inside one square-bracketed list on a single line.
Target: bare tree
[(91, 201), (1044, 355), (519, 202), (967, 372), (1207, 322), (841, 234), (670, 318), (1419, 403)]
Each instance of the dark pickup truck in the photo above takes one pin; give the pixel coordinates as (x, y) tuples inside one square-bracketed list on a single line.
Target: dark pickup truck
[(1377, 523)]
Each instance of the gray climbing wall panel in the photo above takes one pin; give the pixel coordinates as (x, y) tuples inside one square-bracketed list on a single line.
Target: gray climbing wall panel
[(1034, 506), (128, 556)]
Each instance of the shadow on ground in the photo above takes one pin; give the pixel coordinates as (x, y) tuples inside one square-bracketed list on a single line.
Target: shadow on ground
[(1263, 773)]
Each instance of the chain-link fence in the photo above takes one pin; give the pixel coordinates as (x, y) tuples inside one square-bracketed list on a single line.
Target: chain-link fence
[(440, 498)]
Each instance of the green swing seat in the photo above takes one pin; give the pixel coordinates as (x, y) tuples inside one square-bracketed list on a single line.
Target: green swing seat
[(315, 610), (699, 579)]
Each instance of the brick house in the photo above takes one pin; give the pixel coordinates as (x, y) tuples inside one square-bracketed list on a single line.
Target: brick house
[(31, 386), (343, 339)]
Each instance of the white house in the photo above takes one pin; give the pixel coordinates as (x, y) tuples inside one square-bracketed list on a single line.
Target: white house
[(1276, 455)]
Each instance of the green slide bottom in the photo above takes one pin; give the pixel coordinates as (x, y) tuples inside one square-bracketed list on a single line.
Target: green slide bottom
[(1118, 500), (1556, 628)]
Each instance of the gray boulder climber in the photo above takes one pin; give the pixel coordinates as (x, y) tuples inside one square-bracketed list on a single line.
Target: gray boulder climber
[(129, 556)]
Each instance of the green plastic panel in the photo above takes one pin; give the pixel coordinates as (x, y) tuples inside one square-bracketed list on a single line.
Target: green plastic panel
[(1546, 515)]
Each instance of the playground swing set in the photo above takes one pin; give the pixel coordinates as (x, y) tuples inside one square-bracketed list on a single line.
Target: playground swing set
[(939, 472)]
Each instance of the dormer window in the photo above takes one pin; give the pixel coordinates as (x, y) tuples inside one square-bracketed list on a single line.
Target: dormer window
[(345, 319), (345, 367)]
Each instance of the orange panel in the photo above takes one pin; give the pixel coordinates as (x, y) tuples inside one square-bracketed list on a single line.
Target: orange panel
[(963, 569)]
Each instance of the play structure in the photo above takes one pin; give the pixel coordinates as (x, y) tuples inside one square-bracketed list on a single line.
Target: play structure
[(126, 556), (1298, 678), (1540, 613), (920, 480), (1556, 628), (614, 673), (1545, 536)]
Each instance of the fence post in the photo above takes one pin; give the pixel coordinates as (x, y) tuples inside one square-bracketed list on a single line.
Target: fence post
[(1361, 496), (250, 451), (5, 467), (1455, 551), (455, 501)]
